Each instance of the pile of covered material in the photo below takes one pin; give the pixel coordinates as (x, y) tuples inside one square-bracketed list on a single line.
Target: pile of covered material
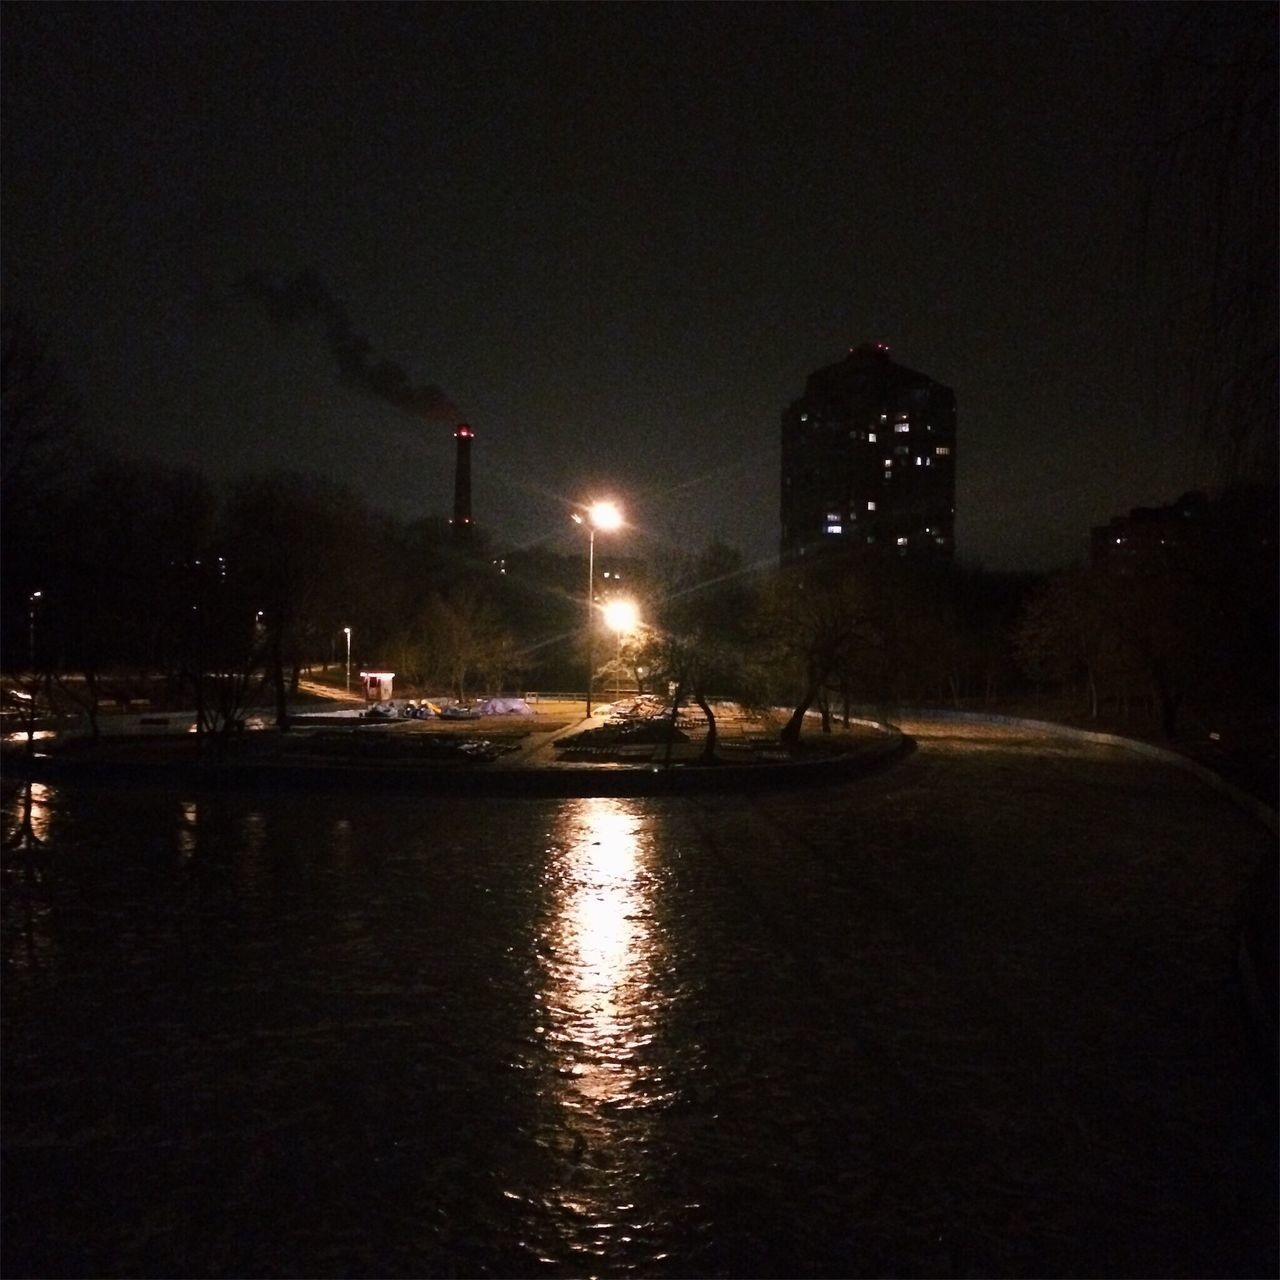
[(504, 707)]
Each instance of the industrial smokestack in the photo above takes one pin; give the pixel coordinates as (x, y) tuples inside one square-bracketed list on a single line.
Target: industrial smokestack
[(461, 521)]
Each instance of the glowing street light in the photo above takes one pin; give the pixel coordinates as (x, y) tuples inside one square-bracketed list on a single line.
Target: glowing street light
[(32, 601), (620, 616), (347, 632), (606, 516)]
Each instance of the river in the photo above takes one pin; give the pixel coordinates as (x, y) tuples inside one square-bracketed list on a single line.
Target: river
[(973, 1016)]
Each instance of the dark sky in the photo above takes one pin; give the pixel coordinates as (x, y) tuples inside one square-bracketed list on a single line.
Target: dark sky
[(618, 237)]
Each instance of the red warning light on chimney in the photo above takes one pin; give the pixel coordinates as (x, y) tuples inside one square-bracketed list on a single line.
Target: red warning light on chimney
[(462, 481)]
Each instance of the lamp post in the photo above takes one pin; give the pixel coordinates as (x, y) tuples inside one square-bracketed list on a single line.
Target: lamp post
[(600, 515), (620, 617), (31, 621), (346, 631)]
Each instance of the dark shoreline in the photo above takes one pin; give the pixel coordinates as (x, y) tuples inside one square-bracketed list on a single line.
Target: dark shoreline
[(461, 779)]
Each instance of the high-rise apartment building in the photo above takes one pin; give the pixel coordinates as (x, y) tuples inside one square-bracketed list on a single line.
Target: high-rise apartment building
[(869, 457)]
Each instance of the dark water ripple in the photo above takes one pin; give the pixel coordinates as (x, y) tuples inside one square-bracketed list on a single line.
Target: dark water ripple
[(790, 1036)]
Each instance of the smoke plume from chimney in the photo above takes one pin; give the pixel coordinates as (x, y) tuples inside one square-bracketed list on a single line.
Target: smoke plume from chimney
[(296, 300)]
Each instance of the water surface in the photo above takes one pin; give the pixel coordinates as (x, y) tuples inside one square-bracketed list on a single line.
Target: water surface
[(972, 1017)]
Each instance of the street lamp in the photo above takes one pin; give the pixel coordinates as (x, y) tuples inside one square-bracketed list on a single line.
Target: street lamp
[(620, 617), (600, 515), (31, 620), (347, 632)]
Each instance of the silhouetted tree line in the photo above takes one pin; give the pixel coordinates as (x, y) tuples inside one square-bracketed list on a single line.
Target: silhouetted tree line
[(150, 578), (1190, 626)]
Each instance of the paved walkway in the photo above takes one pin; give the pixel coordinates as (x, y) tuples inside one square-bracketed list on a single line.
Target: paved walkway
[(537, 751)]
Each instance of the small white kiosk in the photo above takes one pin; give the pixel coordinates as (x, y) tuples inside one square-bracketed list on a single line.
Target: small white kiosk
[(377, 685)]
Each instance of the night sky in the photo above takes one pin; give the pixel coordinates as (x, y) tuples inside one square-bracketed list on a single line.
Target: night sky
[(616, 237)]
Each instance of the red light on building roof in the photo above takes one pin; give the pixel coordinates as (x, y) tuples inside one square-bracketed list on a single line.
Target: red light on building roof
[(464, 431)]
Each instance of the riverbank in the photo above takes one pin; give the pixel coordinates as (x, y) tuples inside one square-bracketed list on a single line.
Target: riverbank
[(555, 752), (1239, 746)]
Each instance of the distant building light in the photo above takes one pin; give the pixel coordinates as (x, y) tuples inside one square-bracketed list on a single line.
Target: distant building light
[(900, 427), (871, 436), (835, 528), (871, 506), (942, 450), (804, 417), (833, 515), (919, 461), (902, 542)]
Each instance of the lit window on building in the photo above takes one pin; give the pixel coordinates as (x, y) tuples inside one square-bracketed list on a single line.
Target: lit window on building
[(888, 462), (835, 528), (888, 475), (804, 417), (919, 461), (942, 450), (900, 427), (834, 515), (871, 436), (902, 542), (871, 506)]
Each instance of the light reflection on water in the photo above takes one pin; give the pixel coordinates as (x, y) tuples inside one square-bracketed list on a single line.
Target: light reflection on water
[(28, 816), (601, 941), (187, 828), (600, 1001), (28, 943), (40, 804)]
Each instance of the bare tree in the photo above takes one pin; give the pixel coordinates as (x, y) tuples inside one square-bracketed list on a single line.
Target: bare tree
[(466, 643), (816, 622), (1208, 263), (38, 416)]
